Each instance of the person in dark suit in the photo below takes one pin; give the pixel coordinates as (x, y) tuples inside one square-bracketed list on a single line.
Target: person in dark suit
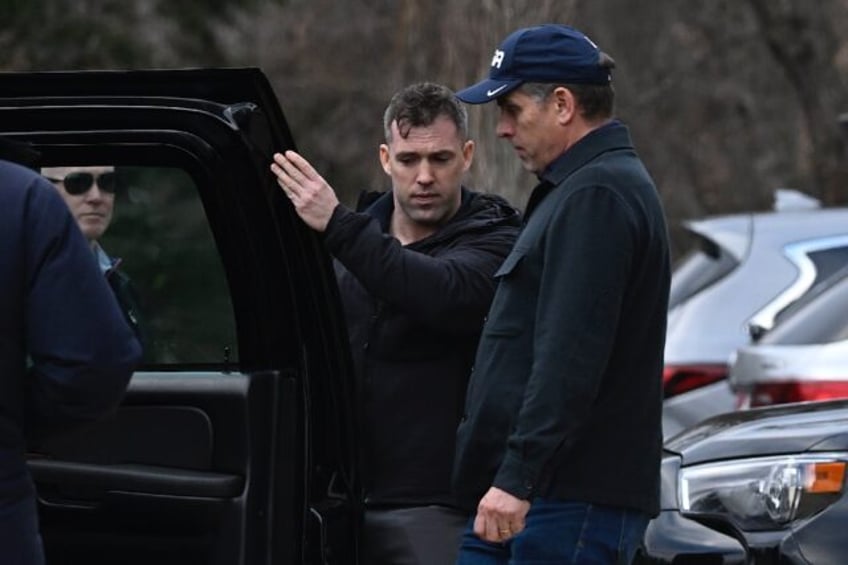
[(66, 352), (559, 448)]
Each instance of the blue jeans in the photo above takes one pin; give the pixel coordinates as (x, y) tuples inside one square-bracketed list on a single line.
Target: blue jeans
[(559, 532)]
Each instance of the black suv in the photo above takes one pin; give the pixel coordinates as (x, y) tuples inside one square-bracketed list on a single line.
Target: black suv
[(236, 441)]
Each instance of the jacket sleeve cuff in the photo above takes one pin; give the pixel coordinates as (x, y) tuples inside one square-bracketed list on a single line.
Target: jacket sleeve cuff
[(517, 478), (339, 226)]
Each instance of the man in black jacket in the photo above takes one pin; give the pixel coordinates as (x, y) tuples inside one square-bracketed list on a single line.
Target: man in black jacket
[(559, 449), (415, 269), (66, 353)]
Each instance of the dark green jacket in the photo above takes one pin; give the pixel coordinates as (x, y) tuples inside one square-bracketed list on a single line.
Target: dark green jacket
[(565, 400)]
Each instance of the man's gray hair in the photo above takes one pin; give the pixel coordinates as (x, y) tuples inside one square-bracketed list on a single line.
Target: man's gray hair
[(597, 101)]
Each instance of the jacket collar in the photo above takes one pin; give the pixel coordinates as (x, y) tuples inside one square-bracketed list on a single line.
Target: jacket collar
[(610, 136), (381, 205), (107, 264)]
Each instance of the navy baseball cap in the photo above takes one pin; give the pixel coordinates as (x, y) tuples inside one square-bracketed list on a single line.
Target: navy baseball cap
[(549, 53)]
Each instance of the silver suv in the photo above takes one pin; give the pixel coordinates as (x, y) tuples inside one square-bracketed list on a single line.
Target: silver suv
[(804, 358), (743, 270)]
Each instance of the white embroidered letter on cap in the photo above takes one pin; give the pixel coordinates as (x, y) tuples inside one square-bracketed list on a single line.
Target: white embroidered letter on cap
[(498, 58)]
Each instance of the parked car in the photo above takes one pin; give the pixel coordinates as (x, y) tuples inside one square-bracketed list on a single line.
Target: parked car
[(235, 443), (804, 357), (761, 486), (742, 271)]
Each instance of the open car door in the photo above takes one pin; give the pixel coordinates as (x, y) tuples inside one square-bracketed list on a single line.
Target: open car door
[(235, 443)]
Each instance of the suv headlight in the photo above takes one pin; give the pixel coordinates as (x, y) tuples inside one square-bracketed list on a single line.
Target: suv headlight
[(763, 493)]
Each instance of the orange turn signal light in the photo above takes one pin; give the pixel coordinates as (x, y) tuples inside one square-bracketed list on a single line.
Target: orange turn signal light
[(826, 477)]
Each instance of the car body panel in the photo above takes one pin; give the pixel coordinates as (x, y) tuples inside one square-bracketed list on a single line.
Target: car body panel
[(732, 233), (817, 362), (794, 428), (171, 466), (685, 410), (805, 357), (672, 538), (245, 460)]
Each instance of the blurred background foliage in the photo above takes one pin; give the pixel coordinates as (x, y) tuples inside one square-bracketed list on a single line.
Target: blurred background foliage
[(727, 100)]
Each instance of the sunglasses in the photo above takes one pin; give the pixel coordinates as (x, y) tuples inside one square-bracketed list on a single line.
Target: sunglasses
[(80, 182)]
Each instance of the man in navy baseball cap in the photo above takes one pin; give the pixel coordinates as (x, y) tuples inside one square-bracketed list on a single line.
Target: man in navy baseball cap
[(546, 53), (567, 382)]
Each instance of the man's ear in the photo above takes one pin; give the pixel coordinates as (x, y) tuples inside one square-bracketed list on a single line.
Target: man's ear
[(385, 157), (468, 154), (566, 104)]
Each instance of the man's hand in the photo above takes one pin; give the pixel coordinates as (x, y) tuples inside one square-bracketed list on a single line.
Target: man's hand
[(500, 516), (314, 200)]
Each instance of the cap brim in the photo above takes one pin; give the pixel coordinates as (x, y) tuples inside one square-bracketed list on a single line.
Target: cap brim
[(487, 90)]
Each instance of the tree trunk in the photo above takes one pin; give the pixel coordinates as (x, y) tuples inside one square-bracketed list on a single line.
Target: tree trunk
[(804, 42)]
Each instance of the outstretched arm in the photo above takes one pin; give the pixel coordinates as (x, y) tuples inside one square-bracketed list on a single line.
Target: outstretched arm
[(458, 281)]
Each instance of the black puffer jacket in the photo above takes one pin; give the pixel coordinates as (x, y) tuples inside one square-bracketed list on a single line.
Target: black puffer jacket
[(414, 315)]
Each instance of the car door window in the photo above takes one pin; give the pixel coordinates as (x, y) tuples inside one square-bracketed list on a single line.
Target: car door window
[(821, 319), (828, 262), (818, 261), (161, 237)]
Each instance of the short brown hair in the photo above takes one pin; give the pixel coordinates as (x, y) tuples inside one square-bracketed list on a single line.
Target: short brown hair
[(420, 105)]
